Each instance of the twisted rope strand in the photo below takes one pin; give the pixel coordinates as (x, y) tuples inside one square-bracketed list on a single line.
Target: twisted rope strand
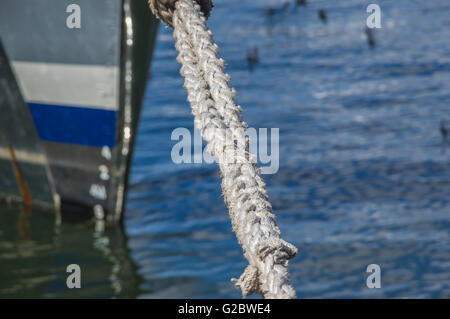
[(219, 120), (163, 9)]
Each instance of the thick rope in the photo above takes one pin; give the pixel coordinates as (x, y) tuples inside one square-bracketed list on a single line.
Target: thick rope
[(163, 9), (218, 118)]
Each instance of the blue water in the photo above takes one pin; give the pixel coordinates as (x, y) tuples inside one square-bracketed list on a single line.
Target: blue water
[(364, 173)]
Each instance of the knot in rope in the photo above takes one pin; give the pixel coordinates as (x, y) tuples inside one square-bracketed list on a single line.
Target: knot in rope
[(163, 9)]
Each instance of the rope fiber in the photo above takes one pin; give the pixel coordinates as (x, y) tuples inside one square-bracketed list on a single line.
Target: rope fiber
[(163, 9), (218, 118)]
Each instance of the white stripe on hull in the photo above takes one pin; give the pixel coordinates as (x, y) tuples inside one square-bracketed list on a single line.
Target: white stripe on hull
[(91, 86), (23, 156)]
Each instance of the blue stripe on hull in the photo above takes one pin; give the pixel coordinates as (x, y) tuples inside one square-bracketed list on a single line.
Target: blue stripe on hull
[(75, 125)]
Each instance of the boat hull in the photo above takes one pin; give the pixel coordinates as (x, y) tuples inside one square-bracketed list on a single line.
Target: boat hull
[(84, 85)]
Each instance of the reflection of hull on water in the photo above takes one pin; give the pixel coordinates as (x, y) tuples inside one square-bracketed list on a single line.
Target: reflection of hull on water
[(84, 88), (34, 256)]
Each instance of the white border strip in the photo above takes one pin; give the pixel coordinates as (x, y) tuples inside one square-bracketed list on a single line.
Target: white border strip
[(23, 156), (92, 86)]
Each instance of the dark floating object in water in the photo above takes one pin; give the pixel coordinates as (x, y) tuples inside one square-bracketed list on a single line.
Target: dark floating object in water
[(323, 15), (444, 130), (273, 11), (370, 37), (270, 11), (301, 3), (285, 7), (252, 57)]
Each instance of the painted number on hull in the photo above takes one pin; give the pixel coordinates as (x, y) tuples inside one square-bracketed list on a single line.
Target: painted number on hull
[(106, 152), (98, 191)]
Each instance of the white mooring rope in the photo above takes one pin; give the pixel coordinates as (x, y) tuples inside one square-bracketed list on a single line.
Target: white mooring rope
[(218, 117)]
